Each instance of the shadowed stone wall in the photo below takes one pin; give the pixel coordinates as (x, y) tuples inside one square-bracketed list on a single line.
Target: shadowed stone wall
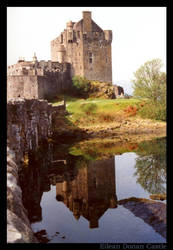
[(28, 123)]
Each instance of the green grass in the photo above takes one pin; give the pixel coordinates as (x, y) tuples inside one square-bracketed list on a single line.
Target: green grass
[(96, 111), (103, 104)]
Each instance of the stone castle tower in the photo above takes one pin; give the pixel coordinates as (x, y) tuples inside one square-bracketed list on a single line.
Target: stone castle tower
[(86, 47)]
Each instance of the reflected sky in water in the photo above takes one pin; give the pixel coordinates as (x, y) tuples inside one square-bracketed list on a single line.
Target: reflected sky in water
[(116, 225), (87, 211), (126, 181)]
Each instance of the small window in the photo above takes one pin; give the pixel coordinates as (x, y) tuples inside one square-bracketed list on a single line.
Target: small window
[(94, 182), (61, 38), (90, 58)]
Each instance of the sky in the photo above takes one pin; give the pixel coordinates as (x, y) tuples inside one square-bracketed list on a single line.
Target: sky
[(139, 34)]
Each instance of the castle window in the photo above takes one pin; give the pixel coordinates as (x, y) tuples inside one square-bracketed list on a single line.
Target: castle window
[(78, 34), (94, 182), (61, 38), (90, 58)]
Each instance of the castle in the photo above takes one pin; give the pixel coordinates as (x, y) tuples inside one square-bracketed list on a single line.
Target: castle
[(86, 47), (83, 49)]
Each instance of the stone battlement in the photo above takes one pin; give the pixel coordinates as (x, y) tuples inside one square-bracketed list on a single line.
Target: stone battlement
[(40, 68)]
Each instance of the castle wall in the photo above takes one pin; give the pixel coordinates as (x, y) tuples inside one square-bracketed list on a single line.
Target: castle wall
[(73, 50), (97, 60), (53, 84), (40, 86), (22, 86), (75, 57)]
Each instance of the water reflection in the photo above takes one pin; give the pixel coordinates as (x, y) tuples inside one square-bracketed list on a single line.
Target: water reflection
[(92, 191), (151, 166), (37, 178), (85, 185)]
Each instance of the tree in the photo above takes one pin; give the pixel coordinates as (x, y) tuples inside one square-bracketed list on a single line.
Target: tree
[(150, 82)]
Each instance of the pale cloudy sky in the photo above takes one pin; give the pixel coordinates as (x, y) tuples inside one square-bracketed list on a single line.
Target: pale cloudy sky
[(139, 33)]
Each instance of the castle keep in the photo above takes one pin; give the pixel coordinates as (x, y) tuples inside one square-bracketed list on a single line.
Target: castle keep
[(83, 49), (86, 47)]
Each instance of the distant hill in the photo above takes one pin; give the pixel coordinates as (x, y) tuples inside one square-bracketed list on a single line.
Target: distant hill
[(127, 86)]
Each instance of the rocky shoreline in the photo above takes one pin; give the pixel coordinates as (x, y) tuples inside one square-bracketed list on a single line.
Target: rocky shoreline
[(131, 129), (152, 212), (18, 225)]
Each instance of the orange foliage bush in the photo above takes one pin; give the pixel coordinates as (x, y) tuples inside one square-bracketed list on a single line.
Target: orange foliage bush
[(131, 110)]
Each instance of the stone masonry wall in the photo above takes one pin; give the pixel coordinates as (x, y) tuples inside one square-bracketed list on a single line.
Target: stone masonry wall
[(39, 86), (100, 68), (22, 87), (28, 123), (52, 85)]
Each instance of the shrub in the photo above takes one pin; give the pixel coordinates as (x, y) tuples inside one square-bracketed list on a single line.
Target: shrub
[(81, 85), (131, 110), (153, 111), (88, 108)]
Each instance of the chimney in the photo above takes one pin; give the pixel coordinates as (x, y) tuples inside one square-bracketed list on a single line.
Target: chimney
[(87, 21)]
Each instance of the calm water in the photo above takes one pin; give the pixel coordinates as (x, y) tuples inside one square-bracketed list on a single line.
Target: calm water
[(76, 201)]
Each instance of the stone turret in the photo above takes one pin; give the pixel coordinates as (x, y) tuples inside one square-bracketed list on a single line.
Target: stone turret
[(34, 57), (61, 53)]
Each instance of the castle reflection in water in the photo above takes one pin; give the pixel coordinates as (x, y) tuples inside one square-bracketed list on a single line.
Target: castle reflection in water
[(91, 192), (88, 190)]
